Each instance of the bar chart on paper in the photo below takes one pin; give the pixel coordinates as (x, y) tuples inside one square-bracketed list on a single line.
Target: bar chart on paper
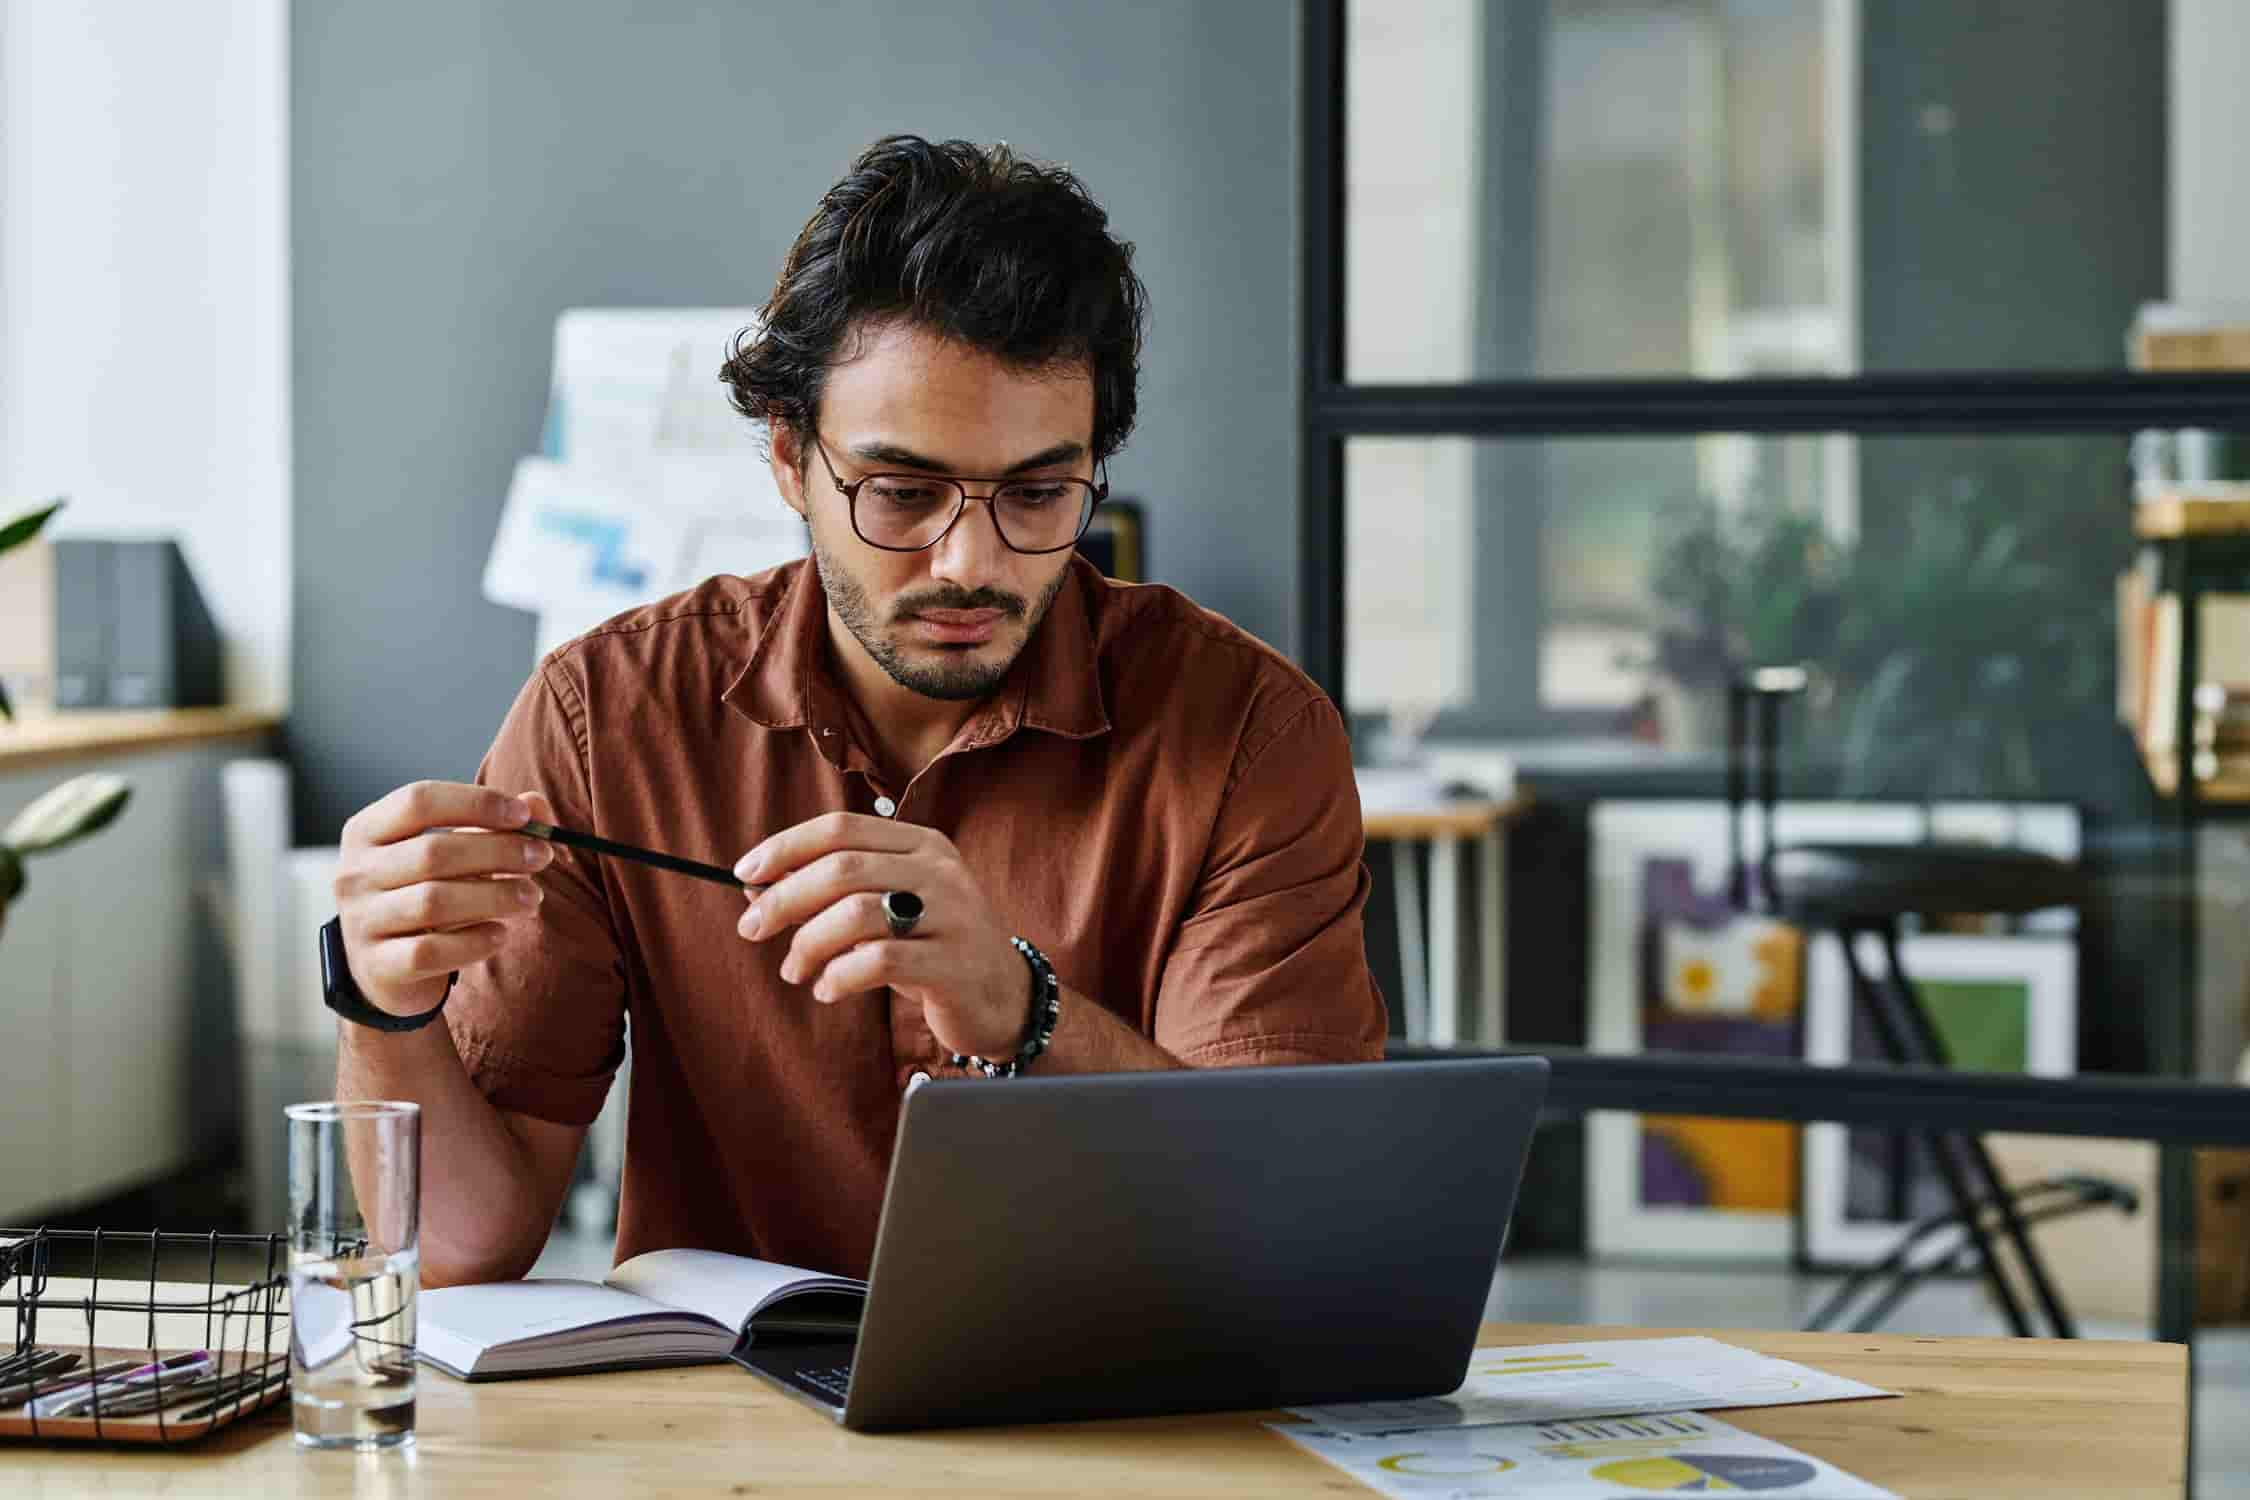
[(1679, 1453)]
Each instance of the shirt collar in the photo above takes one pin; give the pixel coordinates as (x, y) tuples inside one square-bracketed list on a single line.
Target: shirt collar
[(1054, 686)]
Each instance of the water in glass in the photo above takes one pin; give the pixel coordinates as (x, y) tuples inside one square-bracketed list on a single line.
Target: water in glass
[(351, 1349)]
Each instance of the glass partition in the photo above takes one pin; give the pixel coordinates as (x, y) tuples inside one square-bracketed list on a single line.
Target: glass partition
[(1725, 188)]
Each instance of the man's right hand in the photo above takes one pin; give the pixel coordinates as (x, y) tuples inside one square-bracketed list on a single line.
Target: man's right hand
[(433, 880)]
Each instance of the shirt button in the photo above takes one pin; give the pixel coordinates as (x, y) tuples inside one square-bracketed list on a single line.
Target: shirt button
[(886, 807), (916, 1080)]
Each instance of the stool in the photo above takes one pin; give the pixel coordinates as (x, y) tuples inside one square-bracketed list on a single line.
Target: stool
[(1848, 889)]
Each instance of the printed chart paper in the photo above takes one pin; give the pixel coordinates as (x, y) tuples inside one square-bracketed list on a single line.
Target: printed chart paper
[(1599, 1378), (1680, 1453), (647, 480)]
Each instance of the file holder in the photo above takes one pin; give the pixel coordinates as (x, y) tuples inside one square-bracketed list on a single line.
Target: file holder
[(245, 1325)]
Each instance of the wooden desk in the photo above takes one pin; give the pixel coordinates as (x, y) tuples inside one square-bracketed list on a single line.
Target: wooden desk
[(1979, 1417), (1431, 976)]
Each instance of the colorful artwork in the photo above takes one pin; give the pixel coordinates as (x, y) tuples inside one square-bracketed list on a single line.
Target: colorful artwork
[(1671, 968), (1714, 980)]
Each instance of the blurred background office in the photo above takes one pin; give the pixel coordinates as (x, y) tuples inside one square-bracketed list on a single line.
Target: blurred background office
[(1531, 372)]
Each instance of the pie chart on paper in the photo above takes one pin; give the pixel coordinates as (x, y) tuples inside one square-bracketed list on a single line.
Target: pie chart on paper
[(1707, 1473)]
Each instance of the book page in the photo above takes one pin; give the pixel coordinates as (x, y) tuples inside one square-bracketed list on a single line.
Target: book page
[(476, 1318), (727, 1289), (504, 1312)]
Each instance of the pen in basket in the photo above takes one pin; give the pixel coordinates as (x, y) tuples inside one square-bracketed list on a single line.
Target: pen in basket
[(246, 1390), (97, 1394), (31, 1358), (210, 1391), (31, 1367), (18, 1395)]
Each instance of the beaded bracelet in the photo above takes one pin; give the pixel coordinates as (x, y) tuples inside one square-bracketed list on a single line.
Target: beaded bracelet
[(1046, 1012)]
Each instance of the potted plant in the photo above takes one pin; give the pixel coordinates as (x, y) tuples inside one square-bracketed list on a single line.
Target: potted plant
[(1963, 654), (67, 813), (1979, 644), (1759, 587)]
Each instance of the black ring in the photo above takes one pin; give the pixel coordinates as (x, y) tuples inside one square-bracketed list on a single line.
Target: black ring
[(902, 909)]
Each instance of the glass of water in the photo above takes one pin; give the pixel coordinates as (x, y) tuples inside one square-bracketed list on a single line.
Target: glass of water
[(355, 1188)]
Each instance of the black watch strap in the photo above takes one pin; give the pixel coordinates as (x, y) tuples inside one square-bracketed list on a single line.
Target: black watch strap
[(341, 991)]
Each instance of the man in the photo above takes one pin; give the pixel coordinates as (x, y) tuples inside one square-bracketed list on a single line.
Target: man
[(960, 760)]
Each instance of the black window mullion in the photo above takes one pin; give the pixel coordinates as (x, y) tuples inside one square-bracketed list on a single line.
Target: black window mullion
[(1970, 401), (1320, 458)]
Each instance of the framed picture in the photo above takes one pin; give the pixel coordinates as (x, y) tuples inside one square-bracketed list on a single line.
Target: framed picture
[(2001, 1005), (1672, 966)]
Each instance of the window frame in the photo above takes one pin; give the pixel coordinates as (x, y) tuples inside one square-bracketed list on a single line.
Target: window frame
[(2004, 401), (1333, 410)]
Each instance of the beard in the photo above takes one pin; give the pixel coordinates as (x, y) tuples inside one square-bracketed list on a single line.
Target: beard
[(954, 676)]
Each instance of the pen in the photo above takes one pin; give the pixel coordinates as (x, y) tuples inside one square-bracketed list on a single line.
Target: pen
[(576, 840), (34, 1359), (21, 1374), (16, 1395), (71, 1400), (247, 1389), (209, 1390)]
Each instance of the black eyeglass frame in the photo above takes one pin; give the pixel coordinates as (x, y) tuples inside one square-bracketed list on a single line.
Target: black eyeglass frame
[(961, 482)]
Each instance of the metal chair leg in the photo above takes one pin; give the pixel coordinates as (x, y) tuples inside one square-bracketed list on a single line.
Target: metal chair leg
[(1896, 1036), (2033, 1201), (1972, 1147), (1895, 1264), (1904, 1285)]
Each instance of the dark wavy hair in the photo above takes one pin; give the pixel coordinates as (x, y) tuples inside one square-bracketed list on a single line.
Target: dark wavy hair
[(973, 242)]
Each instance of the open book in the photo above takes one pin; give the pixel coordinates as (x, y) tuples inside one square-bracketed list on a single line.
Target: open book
[(667, 1307)]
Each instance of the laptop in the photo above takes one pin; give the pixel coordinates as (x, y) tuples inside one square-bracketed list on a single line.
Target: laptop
[(1129, 1244)]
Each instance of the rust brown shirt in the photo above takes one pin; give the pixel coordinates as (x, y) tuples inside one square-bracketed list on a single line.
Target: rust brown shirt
[(1162, 804)]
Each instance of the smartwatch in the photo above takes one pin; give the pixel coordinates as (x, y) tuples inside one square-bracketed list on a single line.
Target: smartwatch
[(341, 991)]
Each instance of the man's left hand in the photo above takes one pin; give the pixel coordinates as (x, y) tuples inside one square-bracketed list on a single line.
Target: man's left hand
[(827, 878)]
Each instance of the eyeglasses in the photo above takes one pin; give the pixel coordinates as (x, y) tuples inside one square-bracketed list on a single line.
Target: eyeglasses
[(909, 512)]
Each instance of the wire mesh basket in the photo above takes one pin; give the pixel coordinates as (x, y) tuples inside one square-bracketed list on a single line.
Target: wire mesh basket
[(111, 1342)]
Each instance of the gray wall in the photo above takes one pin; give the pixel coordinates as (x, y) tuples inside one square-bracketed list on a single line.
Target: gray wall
[(463, 170)]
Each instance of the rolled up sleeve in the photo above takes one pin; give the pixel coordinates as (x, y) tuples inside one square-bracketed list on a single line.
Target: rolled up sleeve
[(1271, 966), (541, 1025)]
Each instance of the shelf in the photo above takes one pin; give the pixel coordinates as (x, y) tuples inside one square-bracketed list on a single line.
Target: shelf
[(2226, 791), (2190, 350), (2169, 517), (32, 741)]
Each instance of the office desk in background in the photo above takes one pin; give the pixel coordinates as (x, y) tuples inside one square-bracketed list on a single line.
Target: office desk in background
[(1431, 974), (1975, 1417)]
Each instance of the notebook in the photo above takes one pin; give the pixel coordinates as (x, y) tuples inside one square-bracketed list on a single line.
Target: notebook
[(667, 1307)]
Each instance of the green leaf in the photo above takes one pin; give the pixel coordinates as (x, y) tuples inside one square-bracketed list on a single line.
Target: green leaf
[(7, 710), (80, 806), (24, 528), (11, 875)]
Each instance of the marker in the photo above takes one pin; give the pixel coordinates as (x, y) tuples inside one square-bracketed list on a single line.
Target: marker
[(716, 874)]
